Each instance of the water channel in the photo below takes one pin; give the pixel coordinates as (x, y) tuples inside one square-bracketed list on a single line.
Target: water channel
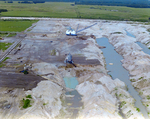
[(117, 71), (73, 98), (143, 46)]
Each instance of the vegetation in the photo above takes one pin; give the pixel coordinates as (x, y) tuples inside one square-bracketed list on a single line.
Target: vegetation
[(141, 78), (29, 96), (137, 109), (140, 93), (132, 80), (67, 10), (4, 46), (147, 43), (148, 30), (45, 103), (3, 34), (117, 33), (53, 52), (130, 3), (2, 63), (148, 97), (147, 105), (3, 10), (122, 104), (26, 103), (12, 34), (15, 25), (129, 113)]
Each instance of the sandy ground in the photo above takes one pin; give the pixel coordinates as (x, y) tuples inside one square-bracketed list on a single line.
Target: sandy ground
[(45, 47)]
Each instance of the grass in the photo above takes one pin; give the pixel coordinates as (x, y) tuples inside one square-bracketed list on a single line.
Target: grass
[(3, 34), (66, 10), (2, 63), (15, 25), (4, 46), (12, 34)]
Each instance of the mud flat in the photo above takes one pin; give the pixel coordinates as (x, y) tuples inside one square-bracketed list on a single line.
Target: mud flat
[(44, 49)]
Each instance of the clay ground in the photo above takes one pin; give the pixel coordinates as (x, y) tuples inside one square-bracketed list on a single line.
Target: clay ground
[(44, 43)]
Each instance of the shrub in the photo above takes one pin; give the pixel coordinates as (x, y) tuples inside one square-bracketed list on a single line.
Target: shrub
[(148, 97), (137, 109), (29, 96), (26, 103), (122, 104)]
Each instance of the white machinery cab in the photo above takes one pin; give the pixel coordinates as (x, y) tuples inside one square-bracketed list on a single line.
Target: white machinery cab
[(71, 32)]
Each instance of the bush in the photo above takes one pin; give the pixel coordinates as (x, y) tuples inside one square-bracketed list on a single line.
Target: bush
[(122, 104), (137, 109), (26, 103), (29, 96), (148, 97), (3, 10)]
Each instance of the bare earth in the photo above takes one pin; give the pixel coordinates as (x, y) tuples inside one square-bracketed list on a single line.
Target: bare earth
[(44, 48)]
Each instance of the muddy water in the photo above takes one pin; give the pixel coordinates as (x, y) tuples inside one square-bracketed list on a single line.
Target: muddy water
[(74, 100), (117, 71)]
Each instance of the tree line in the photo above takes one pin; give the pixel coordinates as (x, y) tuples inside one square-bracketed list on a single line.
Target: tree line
[(128, 3)]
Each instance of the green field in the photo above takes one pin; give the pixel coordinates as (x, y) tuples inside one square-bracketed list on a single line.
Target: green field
[(15, 25), (4, 46), (66, 10)]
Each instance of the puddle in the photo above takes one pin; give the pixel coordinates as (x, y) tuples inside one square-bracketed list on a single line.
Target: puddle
[(74, 101), (117, 71), (71, 82)]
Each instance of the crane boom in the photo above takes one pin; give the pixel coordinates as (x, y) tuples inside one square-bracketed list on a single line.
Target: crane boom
[(85, 28)]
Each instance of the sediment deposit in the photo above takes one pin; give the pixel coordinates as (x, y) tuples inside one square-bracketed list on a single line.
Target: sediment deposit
[(44, 48)]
